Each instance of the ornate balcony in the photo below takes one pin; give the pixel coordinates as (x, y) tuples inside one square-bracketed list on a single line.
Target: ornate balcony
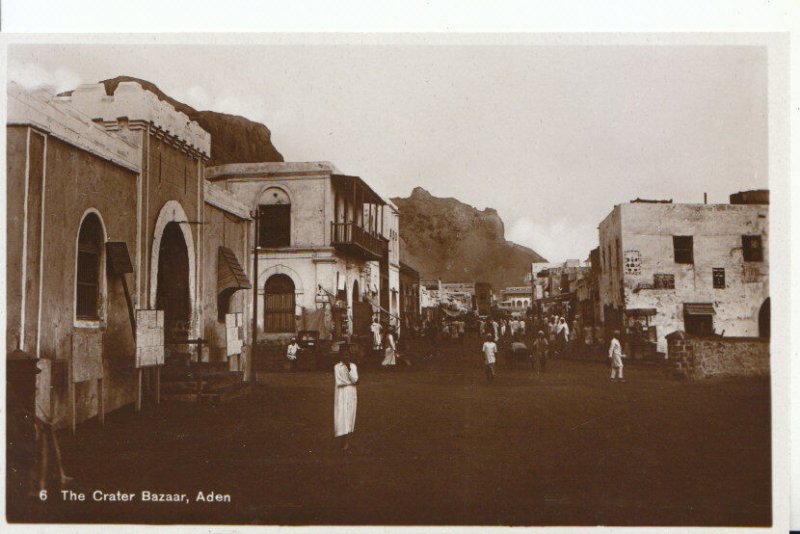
[(355, 241)]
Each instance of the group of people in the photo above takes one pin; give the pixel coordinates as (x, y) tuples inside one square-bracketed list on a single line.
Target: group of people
[(542, 349)]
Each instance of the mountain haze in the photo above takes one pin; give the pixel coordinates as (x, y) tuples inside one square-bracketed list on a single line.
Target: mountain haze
[(446, 239)]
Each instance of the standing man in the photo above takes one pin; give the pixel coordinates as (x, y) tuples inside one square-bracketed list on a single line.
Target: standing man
[(615, 355), (540, 349), (490, 356), (345, 399), (376, 330)]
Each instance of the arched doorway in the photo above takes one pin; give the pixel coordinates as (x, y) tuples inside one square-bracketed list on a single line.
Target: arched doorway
[(172, 286), (279, 304), (764, 319)]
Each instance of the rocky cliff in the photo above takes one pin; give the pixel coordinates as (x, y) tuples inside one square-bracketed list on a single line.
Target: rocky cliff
[(447, 239), (234, 139)]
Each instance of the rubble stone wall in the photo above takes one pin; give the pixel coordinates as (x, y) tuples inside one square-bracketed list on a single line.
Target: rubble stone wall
[(704, 357)]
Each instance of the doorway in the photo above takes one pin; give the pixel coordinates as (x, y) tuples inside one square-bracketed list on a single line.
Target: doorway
[(764, 319), (172, 286)]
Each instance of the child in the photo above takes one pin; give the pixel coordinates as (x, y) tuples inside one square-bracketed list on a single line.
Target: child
[(615, 354), (490, 356)]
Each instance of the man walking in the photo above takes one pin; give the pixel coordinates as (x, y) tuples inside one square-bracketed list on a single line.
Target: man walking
[(490, 357), (615, 355)]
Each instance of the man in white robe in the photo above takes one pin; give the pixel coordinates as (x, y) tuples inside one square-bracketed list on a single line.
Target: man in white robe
[(345, 399), (377, 330), (615, 355)]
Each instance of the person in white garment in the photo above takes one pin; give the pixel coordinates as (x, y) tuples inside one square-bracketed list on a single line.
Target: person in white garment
[(377, 330), (489, 356), (390, 352), (291, 353), (345, 399), (615, 355)]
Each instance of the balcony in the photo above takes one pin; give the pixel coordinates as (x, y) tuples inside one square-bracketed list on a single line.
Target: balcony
[(355, 241)]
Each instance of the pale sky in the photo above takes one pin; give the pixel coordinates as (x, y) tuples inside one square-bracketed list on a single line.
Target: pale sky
[(550, 136)]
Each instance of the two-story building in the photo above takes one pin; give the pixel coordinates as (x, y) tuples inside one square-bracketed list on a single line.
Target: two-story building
[(695, 267), (321, 238), (108, 214)]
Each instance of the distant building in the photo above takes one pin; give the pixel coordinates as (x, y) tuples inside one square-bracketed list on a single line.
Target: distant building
[(410, 296), (694, 267), (515, 299), (555, 286), (483, 298)]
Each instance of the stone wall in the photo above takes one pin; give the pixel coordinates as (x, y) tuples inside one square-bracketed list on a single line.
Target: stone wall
[(693, 357)]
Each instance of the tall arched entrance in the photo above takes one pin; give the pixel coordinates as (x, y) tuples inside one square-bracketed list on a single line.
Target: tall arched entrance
[(172, 285), (279, 304), (764, 319)]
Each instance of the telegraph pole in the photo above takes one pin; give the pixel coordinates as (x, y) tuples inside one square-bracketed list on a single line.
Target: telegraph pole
[(254, 335)]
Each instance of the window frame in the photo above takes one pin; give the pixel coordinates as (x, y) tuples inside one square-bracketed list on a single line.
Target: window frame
[(748, 250), (715, 272), (82, 320), (680, 259)]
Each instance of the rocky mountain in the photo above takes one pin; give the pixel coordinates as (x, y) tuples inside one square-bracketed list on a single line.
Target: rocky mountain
[(452, 241), (234, 139)]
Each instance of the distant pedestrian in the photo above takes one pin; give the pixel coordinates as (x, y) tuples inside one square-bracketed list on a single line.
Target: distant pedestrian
[(495, 329), (291, 353), (390, 352), (345, 399), (615, 355), (562, 336), (377, 331), (490, 356), (540, 350)]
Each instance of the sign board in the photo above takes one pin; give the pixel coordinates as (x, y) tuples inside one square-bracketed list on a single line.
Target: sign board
[(234, 330), (87, 355), (119, 261), (149, 338)]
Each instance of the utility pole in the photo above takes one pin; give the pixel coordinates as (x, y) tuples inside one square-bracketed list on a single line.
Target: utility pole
[(254, 335)]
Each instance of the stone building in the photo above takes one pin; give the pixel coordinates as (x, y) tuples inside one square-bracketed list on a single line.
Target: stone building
[(516, 300), (322, 241), (410, 296), (694, 267), (108, 213)]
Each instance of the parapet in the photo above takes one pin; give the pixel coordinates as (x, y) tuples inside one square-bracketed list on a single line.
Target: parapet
[(133, 103)]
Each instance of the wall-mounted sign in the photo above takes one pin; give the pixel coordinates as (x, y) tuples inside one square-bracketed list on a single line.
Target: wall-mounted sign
[(87, 355), (633, 262), (234, 333), (149, 338)]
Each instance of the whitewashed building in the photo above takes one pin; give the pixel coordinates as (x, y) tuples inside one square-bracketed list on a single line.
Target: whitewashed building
[(694, 267)]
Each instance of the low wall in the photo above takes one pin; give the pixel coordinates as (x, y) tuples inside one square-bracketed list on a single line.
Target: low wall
[(704, 357)]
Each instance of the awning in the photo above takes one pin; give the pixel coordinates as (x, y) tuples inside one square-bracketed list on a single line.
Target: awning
[(698, 308), (230, 275), (638, 312)]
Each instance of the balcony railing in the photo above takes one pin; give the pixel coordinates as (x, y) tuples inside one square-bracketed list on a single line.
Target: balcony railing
[(352, 239)]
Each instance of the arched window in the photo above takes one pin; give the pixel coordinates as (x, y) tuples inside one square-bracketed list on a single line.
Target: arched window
[(279, 304), (87, 277), (274, 218)]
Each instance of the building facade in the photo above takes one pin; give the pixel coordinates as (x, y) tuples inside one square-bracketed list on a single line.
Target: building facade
[(321, 242), (699, 268), (106, 216)]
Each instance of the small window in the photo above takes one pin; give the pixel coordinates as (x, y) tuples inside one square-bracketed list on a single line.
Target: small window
[(684, 248), (663, 281), (275, 219), (87, 277), (751, 248), (718, 275)]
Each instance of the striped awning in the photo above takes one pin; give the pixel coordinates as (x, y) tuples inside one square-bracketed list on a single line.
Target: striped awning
[(698, 308)]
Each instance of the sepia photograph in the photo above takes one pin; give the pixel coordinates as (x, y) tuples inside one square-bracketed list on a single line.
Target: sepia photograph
[(465, 280)]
